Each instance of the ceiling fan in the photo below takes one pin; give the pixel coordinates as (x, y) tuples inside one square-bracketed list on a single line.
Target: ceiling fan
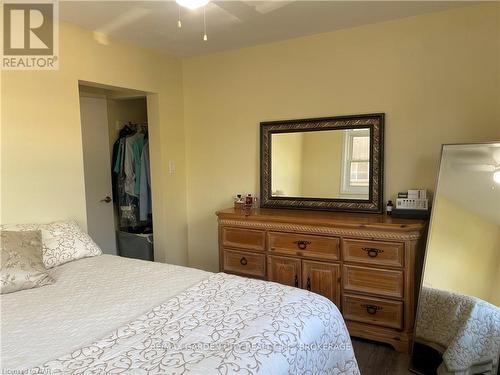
[(240, 10), (236, 9), (486, 159)]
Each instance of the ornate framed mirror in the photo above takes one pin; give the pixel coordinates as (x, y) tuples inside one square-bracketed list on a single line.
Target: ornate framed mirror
[(333, 163)]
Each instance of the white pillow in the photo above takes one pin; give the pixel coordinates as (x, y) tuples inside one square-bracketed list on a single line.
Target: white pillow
[(62, 241)]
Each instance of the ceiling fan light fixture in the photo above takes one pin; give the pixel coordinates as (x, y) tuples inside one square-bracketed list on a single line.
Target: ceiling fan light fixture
[(496, 176), (192, 4)]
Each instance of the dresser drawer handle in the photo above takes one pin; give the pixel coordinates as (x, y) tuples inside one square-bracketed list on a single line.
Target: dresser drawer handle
[(308, 284), (371, 309), (243, 261), (302, 244), (372, 252), (296, 281)]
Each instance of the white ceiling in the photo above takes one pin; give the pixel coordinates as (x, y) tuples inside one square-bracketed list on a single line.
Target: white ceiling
[(466, 177), (232, 24)]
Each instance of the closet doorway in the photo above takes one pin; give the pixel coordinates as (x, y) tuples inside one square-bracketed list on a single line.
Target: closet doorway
[(115, 140)]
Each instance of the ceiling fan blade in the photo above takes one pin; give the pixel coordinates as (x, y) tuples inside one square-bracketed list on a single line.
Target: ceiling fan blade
[(132, 15), (248, 10), (475, 167), (264, 7), (238, 9)]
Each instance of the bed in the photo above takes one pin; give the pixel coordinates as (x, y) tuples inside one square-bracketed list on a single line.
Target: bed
[(463, 329), (107, 314)]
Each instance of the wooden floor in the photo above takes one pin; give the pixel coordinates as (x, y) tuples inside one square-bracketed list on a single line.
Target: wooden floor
[(379, 359)]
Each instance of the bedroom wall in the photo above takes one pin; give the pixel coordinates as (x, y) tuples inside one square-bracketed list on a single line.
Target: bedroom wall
[(41, 144), (435, 76), (462, 241)]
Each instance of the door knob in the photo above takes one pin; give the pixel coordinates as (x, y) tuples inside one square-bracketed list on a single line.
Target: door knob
[(106, 200)]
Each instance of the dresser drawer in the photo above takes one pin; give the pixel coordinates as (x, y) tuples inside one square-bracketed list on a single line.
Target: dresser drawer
[(244, 238), (373, 252), (245, 263), (305, 245), (371, 310), (388, 283)]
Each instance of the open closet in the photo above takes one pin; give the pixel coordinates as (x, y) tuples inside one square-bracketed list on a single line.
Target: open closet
[(115, 142)]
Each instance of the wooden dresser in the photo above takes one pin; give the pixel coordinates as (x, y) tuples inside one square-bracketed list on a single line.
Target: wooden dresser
[(368, 265)]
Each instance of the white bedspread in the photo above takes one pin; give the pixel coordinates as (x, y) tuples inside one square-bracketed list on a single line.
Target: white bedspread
[(90, 298), (222, 324)]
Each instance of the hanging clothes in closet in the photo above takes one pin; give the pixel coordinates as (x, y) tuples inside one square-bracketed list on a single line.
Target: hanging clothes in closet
[(145, 210), (131, 178)]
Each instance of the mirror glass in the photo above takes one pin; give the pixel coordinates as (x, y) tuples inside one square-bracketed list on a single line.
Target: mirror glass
[(460, 295), (331, 164)]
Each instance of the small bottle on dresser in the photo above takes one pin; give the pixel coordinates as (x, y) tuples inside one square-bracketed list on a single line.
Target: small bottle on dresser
[(388, 210), (249, 201), (239, 203), (255, 202)]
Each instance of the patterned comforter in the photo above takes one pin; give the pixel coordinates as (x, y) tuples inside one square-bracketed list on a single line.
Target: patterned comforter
[(223, 325), (465, 329)]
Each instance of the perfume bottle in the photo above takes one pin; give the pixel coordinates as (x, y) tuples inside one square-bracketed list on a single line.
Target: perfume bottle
[(239, 202), (249, 200), (255, 202)]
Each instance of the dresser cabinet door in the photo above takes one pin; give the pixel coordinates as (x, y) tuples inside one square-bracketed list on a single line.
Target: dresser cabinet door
[(322, 278), (284, 270)]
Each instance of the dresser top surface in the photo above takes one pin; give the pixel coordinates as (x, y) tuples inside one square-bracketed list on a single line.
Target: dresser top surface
[(323, 218)]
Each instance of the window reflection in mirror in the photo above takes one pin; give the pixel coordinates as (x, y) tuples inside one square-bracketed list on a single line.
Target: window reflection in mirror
[(332, 164)]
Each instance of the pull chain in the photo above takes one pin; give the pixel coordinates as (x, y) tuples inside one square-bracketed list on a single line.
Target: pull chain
[(205, 37), (179, 23)]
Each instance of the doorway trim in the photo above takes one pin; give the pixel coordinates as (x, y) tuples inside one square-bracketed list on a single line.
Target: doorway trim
[(153, 111)]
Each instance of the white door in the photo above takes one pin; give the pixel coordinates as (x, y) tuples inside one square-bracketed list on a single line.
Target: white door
[(97, 168)]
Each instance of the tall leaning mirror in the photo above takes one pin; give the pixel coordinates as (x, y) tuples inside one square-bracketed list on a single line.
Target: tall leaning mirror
[(457, 329)]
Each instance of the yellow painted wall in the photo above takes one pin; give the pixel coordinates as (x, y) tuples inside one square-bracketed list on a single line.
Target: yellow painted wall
[(41, 144), (463, 254), (436, 77), (322, 164), (286, 164)]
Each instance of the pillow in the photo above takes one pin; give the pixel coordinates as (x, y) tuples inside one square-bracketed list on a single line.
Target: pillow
[(21, 261), (63, 242)]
